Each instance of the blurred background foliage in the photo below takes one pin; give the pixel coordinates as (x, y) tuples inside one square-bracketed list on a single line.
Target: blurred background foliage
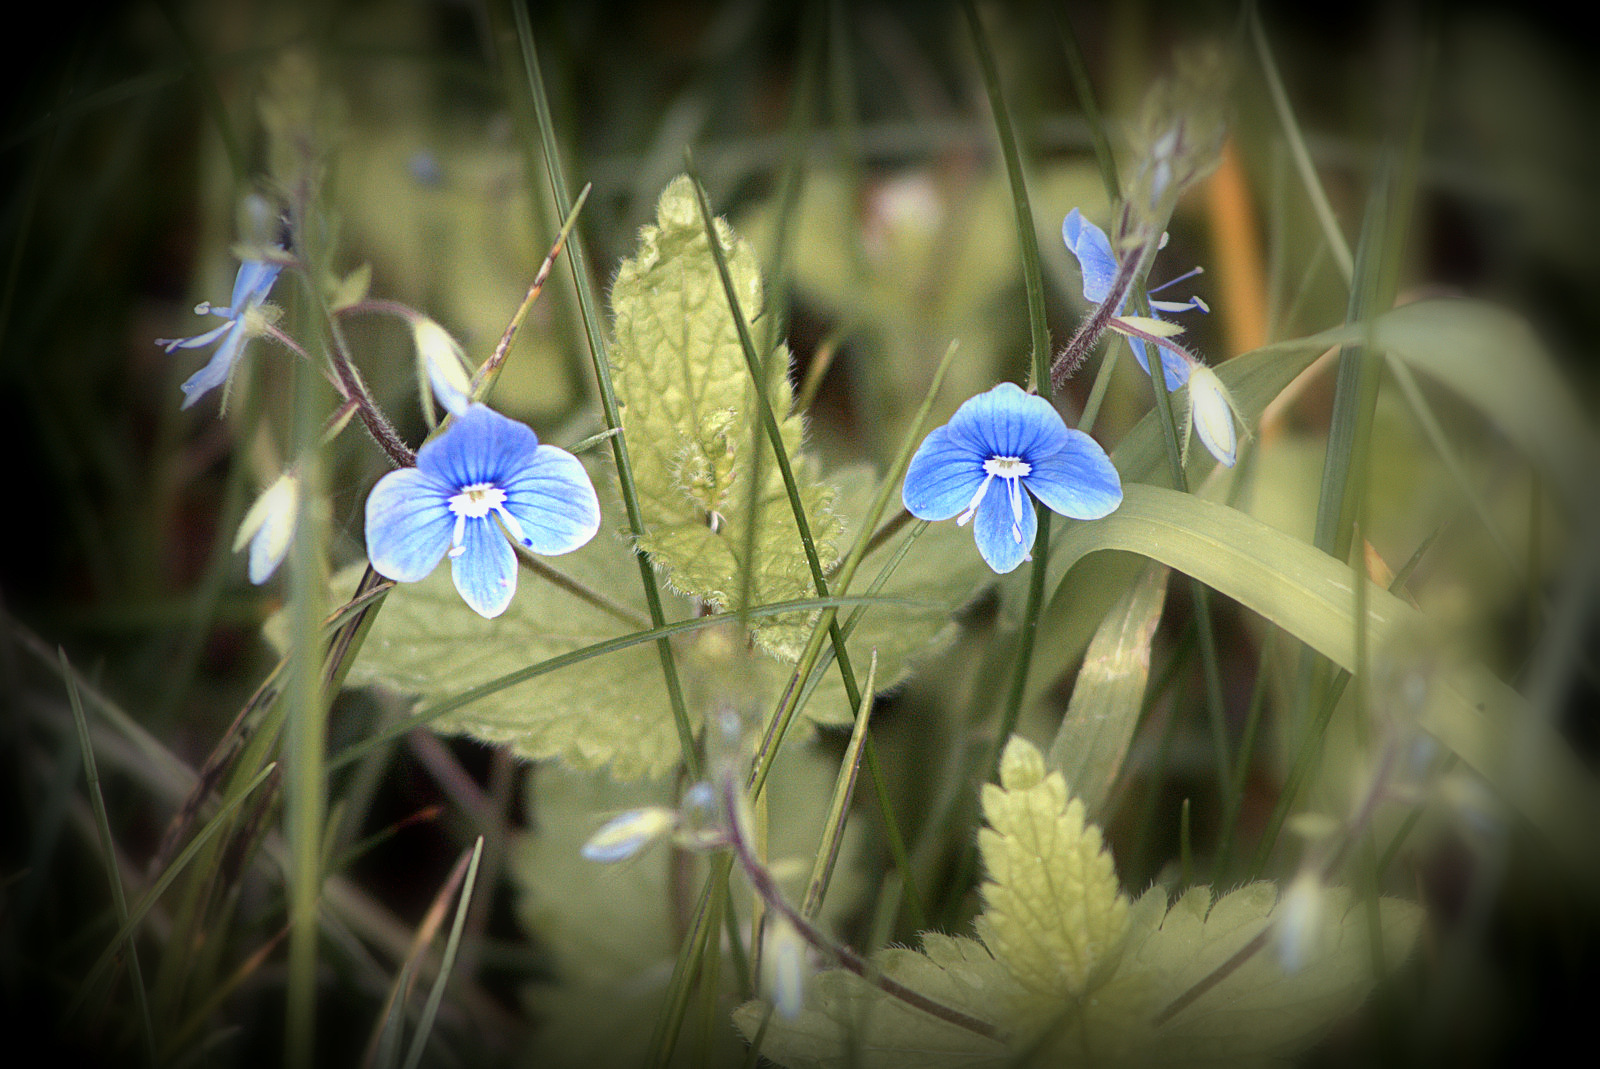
[(131, 137)]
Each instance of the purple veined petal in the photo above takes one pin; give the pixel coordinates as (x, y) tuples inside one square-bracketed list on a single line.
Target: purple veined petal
[(1078, 482), (996, 525), (553, 501), (943, 476), (485, 572), (481, 446), (409, 524), (217, 369), (1093, 249), (1008, 422)]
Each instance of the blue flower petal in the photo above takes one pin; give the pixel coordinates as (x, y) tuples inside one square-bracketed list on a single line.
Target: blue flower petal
[(942, 477), (481, 446), (409, 524), (1175, 367), (998, 545), (252, 284), (485, 573), (198, 341), (1093, 249), (1078, 482), (217, 369), (1008, 422), (553, 501)]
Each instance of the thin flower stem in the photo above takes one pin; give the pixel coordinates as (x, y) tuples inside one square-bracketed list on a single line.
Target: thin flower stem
[(484, 377), (1089, 331), (762, 881)]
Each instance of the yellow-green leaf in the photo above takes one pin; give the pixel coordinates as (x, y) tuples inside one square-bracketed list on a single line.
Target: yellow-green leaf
[(1052, 906), (689, 412)]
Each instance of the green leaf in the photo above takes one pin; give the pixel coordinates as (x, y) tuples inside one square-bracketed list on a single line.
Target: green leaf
[(1309, 594), (609, 712), (1071, 973), (1258, 1013), (1052, 906), (689, 412), (1094, 735)]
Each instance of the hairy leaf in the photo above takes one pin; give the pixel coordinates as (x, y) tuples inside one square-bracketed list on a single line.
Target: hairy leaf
[(690, 415), (1070, 973)]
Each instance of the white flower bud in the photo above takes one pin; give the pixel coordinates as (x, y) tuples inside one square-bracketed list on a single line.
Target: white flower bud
[(786, 968), (1299, 921), (441, 362), (1211, 413), (269, 527)]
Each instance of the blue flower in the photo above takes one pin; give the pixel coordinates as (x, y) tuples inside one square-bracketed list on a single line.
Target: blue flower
[(1093, 249), (250, 288), (1018, 438), (485, 472)]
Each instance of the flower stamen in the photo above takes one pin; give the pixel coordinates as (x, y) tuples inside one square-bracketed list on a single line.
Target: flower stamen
[(474, 503)]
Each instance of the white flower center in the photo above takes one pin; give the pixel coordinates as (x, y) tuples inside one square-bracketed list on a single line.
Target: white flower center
[(1012, 470), (474, 503), (1007, 467)]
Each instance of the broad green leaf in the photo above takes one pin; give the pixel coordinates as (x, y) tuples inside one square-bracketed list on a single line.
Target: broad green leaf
[(1070, 973), (610, 928), (1309, 594), (1259, 1013), (689, 413), (609, 712), (1052, 906), (1094, 735)]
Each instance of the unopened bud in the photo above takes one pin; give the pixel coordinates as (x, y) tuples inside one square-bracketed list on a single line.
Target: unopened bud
[(269, 527), (1211, 411), (442, 364), (624, 836)]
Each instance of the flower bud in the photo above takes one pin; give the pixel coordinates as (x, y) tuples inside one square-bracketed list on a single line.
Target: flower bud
[(786, 968), (1299, 921), (269, 527), (624, 836), (1211, 413), (441, 363)]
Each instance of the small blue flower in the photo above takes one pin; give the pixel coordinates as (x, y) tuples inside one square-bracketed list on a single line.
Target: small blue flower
[(250, 288), (1093, 249), (483, 473), (1020, 439)]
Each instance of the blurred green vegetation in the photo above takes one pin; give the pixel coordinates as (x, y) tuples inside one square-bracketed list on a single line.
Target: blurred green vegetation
[(127, 147)]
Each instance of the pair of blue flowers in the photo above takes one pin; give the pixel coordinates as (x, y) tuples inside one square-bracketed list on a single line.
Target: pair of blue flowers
[(487, 477)]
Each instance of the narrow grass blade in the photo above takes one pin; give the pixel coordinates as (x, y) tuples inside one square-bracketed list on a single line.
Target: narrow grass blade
[(1310, 595), (1027, 236), (843, 788), (150, 897), (430, 1009), (577, 261), (1094, 736), (109, 850)]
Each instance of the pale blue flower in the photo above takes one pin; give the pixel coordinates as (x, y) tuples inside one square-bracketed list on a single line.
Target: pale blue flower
[(484, 473), (1093, 249), (1019, 439), (250, 288)]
